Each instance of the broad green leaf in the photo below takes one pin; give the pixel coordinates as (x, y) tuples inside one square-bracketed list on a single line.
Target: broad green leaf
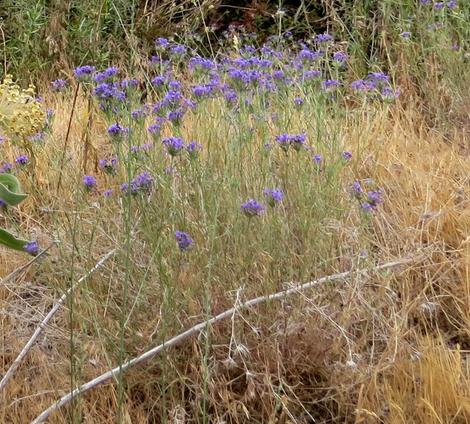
[(10, 190), (9, 240)]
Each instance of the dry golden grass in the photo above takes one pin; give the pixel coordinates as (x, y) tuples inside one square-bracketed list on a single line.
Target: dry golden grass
[(390, 348)]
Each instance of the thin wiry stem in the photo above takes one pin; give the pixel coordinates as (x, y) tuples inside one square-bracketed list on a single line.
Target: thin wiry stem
[(66, 143), (115, 372), (19, 359)]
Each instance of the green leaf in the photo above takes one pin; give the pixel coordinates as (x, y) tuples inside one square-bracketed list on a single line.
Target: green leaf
[(9, 240), (11, 182), (10, 190)]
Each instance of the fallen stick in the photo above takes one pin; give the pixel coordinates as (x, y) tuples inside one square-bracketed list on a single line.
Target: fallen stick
[(19, 359), (199, 327), (14, 273)]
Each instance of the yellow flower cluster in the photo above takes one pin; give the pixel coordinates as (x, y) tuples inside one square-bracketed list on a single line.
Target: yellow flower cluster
[(21, 115)]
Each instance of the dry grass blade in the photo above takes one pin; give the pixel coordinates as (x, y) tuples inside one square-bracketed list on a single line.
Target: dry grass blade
[(17, 271), (19, 359), (199, 327)]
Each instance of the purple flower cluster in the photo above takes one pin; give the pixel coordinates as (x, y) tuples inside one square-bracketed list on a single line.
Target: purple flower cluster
[(5, 167), (84, 72), (109, 93), (22, 160), (32, 248), (184, 240), (252, 208), (59, 85), (107, 74), (330, 84), (193, 148), (89, 182), (142, 183), (368, 200), (296, 141), (117, 132), (174, 145), (108, 165), (273, 196), (346, 155)]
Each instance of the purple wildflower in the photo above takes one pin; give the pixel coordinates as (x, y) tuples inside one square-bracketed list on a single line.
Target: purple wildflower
[(389, 93), (59, 84), (374, 198), (307, 55), (363, 85), (89, 182), (32, 248), (162, 43), (356, 189), (106, 75), (252, 208), (317, 159), (193, 148), (340, 57), (284, 141), (84, 72), (330, 84), (378, 77), (175, 115), (159, 81), (347, 155), (323, 38), (231, 96), (108, 165), (116, 131), (154, 129), (173, 145), (128, 84), (273, 196), (141, 183), (138, 114), (311, 74), (184, 240), (6, 167), (297, 141), (108, 91), (367, 207), (178, 50), (22, 160), (452, 4)]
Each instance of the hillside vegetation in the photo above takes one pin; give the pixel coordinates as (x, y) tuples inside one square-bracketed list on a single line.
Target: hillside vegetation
[(156, 181)]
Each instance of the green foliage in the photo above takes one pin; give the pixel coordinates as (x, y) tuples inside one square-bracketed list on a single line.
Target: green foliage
[(10, 190), (11, 195)]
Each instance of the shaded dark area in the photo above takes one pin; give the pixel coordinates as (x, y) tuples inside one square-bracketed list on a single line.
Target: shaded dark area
[(44, 37)]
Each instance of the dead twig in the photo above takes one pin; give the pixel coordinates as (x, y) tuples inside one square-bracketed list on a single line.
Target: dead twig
[(115, 372)]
